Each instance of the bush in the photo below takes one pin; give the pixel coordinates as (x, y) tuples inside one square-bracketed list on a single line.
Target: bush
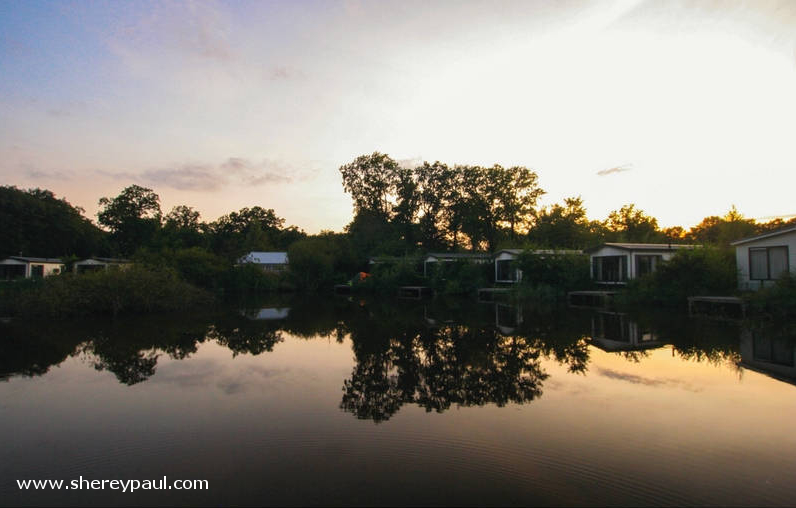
[(460, 277), (249, 277), (693, 272), (388, 277), (135, 289), (560, 272), (777, 301)]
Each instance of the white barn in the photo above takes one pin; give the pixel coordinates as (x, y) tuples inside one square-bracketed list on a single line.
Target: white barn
[(15, 267), (268, 261), (617, 263), (762, 259)]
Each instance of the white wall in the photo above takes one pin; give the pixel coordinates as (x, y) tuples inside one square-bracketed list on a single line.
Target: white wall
[(742, 258)]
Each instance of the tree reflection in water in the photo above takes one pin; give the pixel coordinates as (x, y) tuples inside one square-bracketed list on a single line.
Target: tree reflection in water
[(434, 354)]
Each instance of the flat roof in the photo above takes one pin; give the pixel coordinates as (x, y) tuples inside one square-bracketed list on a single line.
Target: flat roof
[(782, 231), (645, 246), (27, 259)]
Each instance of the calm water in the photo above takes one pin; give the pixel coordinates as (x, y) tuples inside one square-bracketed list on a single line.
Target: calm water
[(351, 402)]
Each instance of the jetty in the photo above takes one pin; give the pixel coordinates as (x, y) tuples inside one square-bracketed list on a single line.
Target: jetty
[(590, 298), (488, 294), (716, 306), (414, 292)]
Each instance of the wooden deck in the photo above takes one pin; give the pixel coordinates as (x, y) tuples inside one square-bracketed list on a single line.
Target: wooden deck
[(711, 304), (414, 292), (488, 294), (342, 289), (590, 298)]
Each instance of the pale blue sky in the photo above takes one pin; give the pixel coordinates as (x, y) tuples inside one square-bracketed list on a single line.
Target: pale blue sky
[(225, 105)]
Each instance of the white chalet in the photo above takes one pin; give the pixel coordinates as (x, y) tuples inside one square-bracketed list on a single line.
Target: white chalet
[(762, 259), (268, 261), (617, 263), (15, 267)]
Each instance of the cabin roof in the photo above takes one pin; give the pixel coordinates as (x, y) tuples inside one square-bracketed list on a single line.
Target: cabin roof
[(104, 260), (644, 246), (789, 229), (265, 258), (459, 255), (26, 259)]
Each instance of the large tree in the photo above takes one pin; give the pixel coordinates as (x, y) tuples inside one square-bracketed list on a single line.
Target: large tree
[(36, 223), (133, 217), (630, 224), (372, 180)]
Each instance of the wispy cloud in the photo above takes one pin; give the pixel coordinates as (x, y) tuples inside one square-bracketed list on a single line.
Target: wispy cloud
[(235, 171), (31, 171), (640, 380), (616, 169)]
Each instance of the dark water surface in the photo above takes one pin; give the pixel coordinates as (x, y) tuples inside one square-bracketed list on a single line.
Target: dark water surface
[(349, 402)]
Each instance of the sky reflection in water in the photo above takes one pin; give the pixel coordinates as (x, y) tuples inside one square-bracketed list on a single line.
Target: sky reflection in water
[(396, 402)]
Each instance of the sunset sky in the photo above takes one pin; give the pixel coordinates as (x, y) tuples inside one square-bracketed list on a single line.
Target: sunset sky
[(683, 108)]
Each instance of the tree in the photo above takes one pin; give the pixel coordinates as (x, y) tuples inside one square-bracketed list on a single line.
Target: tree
[(133, 217), (563, 226), (182, 227), (236, 233), (723, 230), (371, 180), (36, 223), (629, 224)]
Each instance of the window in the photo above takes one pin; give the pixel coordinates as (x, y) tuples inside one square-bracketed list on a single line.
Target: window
[(647, 264), (766, 263), (37, 271), (609, 268), (504, 271)]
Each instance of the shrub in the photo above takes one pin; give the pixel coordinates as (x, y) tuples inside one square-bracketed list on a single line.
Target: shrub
[(135, 289), (693, 272), (387, 277), (460, 277), (559, 272), (777, 301)]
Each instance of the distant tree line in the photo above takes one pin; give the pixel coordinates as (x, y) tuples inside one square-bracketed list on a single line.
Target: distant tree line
[(397, 211), (432, 207)]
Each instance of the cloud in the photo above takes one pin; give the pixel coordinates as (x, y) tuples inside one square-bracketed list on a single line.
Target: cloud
[(58, 113), (31, 171), (640, 380), (616, 169), (235, 171)]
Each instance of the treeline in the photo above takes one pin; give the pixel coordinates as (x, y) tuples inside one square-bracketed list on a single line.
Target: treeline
[(398, 211), (438, 207)]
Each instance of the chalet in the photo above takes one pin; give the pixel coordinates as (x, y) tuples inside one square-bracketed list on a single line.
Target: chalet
[(91, 264), (268, 261), (617, 263), (764, 258), (17, 267), (504, 259), (450, 257), (504, 272)]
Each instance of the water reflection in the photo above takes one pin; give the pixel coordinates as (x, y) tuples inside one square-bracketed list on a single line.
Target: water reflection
[(435, 355), (771, 351)]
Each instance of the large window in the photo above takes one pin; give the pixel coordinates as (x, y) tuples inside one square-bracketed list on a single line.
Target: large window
[(610, 268), (647, 264), (766, 263)]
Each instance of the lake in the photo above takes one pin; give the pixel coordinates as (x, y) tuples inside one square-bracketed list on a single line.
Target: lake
[(349, 401)]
